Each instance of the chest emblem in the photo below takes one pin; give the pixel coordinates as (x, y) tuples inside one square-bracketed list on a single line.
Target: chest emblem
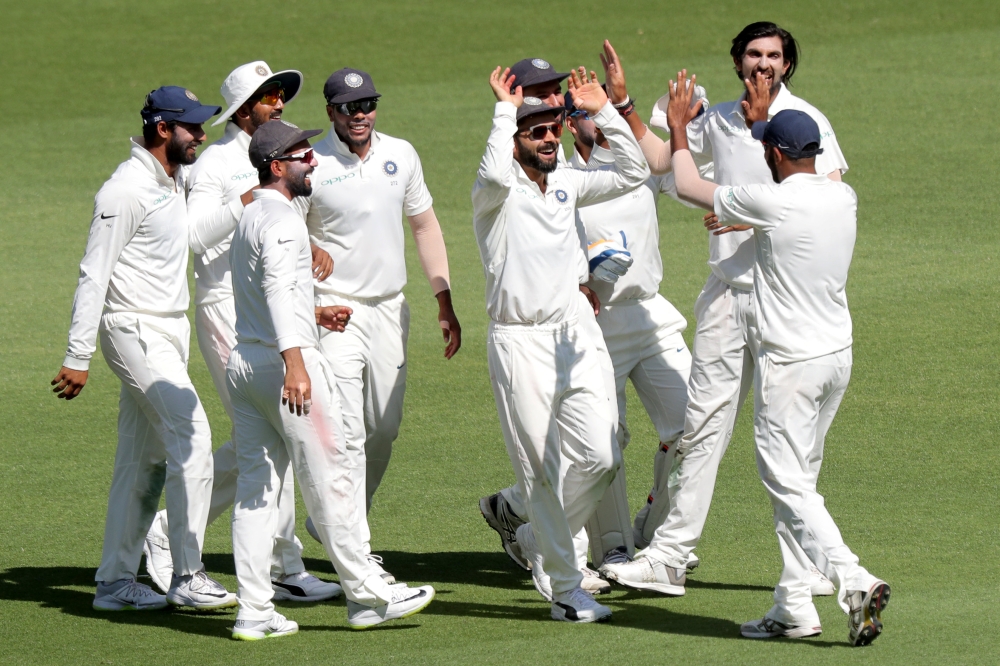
[(390, 168), (561, 196)]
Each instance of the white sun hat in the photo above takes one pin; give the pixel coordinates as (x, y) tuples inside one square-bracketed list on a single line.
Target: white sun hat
[(247, 79)]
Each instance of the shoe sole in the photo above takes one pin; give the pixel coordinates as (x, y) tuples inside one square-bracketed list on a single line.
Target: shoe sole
[(203, 607), (874, 603), (127, 607), (662, 588), (484, 508), (151, 570), (557, 615), (793, 632), (414, 611), (273, 634)]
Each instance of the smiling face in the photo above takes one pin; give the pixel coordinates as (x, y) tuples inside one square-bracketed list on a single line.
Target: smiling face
[(541, 154), (354, 130), (764, 55), (183, 143)]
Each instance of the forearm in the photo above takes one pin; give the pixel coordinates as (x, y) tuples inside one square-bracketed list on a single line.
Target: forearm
[(431, 249), (293, 360), (629, 160), (690, 185), (656, 151), (210, 223)]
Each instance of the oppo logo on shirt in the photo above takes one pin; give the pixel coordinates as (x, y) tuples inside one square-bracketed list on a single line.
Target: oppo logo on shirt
[(727, 129), (162, 199), (338, 179), (526, 193), (244, 176)]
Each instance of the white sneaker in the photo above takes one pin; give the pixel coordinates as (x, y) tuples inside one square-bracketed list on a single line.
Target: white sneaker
[(647, 573), (200, 592), (159, 562), (406, 601), (501, 517), (593, 583), (303, 586), (768, 628), (376, 562), (578, 606), (820, 585), (864, 621), (255, 630), (692, 562), (532, 555), (126, 594)]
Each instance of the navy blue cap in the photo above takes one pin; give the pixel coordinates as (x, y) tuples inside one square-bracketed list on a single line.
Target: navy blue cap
[(349, 85), (532, 106), (792, 132), (176, 103), (532, 71)]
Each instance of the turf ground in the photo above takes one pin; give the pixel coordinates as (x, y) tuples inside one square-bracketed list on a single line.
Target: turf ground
[(910, 472)]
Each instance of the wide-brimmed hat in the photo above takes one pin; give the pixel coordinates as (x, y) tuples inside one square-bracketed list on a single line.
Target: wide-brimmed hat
[(247, 79)]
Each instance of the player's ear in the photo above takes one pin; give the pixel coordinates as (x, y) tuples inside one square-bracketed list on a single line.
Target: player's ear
[(276, 168)]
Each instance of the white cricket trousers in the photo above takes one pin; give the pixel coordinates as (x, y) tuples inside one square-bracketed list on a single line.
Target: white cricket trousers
[(557, 421), (164, 442), (268, 439), (215, 324), (794, 405), (369, 362)]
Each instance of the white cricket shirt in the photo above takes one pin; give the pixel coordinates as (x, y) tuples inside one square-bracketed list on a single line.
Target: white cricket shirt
[(804, 232), (531, 244), (136, 256), (722, 135), (272, 275), (356, 213), (217, 181)]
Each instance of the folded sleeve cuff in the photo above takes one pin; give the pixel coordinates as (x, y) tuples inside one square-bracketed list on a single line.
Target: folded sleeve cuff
[(74, 363), (288, 342)]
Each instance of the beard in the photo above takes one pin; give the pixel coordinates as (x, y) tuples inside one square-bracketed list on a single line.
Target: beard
[(181, 152), (297, 184), (346, 137), (530, 158), (258, 117)]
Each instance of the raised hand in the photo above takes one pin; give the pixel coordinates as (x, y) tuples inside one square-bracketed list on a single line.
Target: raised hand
[(501, 81), (680, 110), (758, 99), (614, 75), (587, 94)]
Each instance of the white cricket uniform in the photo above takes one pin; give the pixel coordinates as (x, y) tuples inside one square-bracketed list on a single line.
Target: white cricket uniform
[(355, 213), (275, 311), (725, 338), (642, 332), (217, 181), (133, 292), (804, 231), (547, 363)]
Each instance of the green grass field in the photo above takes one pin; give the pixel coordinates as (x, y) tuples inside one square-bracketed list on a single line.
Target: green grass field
[(912, 459)]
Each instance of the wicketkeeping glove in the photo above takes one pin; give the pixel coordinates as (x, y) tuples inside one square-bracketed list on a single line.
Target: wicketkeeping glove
[(609, 259)]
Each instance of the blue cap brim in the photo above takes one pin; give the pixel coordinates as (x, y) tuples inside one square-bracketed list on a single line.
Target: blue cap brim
[(199, 114), (757, 130)]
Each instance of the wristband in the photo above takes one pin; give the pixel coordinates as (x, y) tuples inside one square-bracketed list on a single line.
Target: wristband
[(627, 111), (622, 105)]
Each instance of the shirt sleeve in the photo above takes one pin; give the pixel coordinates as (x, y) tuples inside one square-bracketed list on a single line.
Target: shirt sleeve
[(211, 219), (116, 218), (496, 169), (630, 166), (755, 205), (281, 244), (417, 198), (832, 158)]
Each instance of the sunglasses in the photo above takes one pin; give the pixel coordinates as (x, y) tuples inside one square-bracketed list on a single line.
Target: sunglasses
[(539, 132), (305, 156), (271, 97), (350, 108)]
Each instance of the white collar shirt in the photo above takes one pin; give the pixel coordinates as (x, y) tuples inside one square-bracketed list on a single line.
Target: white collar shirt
[(722, 136), (218, 179), (530, 243), (804, 233), (136, 255), (356, 213), (272, 275)]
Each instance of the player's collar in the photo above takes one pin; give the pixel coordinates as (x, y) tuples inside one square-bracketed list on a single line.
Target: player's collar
[(147, 160), (265, 193), (236, 134), (343, 149)]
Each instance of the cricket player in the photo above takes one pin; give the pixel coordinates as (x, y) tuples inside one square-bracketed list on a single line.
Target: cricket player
[(765, 58), (365, 183), (133, 294), (285, 403), (219, 187), (544, 349), (804, 227)]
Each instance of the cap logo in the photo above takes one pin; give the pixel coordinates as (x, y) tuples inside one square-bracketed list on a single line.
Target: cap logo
[(354, 80), (541, 64), (532, 101), (190, 95), (261, 70)]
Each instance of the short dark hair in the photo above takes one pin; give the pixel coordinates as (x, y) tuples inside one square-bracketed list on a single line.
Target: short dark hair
[(789, 47), (264, 175), (149, 130)]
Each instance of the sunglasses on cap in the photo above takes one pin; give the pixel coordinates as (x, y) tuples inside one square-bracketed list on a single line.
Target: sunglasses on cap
[(305, 156), (579, 113), (350, 108), (270, 97), (539, 132)]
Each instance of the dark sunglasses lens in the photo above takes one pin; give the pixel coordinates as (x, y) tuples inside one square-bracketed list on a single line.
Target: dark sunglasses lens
[(541, 131), (368, 105)]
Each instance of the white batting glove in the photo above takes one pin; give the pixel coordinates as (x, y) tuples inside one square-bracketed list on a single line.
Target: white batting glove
[(609, 259)]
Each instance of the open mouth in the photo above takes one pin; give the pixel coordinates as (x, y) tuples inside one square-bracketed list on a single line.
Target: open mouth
[(357, 128), (547, 150)]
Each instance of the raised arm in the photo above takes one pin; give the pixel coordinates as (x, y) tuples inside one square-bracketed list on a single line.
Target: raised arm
[(690, 185), (496, 169), (211, 219)]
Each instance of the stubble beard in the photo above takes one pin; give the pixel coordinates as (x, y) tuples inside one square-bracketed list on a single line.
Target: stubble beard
[(177, 151), (530, 158), (297, 185)]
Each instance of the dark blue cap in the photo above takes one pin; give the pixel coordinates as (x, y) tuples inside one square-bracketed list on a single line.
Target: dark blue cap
[(349, 85), (792, 132), (176, 103), (532, 71)]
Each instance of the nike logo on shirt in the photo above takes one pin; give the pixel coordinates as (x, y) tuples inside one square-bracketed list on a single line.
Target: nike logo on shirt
[(282, 242), (107, 217)]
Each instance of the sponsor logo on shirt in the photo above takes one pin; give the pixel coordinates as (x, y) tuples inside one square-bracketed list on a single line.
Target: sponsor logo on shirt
[(727, 129), (526, 193), (162, 198), (338, 179), (244, 176), (561, 196), (389, 168)]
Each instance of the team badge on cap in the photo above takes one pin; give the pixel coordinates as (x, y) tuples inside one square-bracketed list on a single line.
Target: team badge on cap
[(561, 196), (190, 95), (541, 64), (261, 70), (389, 168), (532, 101), (354, 80)]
